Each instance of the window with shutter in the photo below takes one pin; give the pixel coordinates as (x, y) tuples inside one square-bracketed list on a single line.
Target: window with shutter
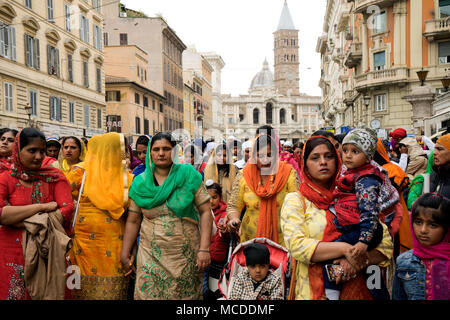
[(379, 59), (8, 93), (70, 67), (444, 52), (33, 102), (86, 115), (99, 118), (67, 16), (50, 10), (71, 112), (85, 74), (99, 80)]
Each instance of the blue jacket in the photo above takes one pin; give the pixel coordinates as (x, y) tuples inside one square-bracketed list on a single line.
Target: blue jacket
[(409, 278)]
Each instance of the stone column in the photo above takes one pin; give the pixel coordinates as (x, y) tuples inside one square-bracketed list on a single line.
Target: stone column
[(421, 99)]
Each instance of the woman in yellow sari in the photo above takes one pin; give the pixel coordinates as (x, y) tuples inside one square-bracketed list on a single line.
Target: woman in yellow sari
[(73, 151), (261, 187), (99, 225)]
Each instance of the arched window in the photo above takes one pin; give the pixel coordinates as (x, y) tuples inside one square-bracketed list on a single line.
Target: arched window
[(255, 116), (269, 113), (282, 116)]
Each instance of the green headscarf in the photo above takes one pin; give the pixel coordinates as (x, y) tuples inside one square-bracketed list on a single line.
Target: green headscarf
[(177, 191)]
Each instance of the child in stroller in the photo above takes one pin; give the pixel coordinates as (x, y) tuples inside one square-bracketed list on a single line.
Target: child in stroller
[(266, 277)]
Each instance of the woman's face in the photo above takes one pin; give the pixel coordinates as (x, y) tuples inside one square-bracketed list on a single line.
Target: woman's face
[(6, 144), (321, 165), (221, 157), (426, 230), (161, 153), (264, 157), (298, 151), (33, 154), (215, 198), (71, 151)]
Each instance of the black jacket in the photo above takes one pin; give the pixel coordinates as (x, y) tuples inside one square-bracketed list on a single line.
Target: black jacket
[(440, 180)]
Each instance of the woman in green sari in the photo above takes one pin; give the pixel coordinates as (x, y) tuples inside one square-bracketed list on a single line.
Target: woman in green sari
[(169, 207)]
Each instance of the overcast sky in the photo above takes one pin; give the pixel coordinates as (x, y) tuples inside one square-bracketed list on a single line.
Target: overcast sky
[(241, 32)]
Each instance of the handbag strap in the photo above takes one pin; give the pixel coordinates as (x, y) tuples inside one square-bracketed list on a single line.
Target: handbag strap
[(77, 208)]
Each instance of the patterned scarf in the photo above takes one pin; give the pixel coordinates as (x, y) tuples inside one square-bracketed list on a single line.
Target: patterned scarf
[(45, 173)]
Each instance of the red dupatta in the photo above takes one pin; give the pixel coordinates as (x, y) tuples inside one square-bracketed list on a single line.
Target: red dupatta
[(44, 174)]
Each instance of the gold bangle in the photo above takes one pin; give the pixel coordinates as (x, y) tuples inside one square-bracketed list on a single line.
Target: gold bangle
[(203, 250)]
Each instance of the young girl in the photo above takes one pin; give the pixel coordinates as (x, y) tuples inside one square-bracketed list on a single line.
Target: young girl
[(219, 243), (423, 273)]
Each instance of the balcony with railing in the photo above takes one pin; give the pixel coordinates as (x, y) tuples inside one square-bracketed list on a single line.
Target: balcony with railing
[(363, 5), (381, 77), (354, 55), (437, 29), (343, 15)]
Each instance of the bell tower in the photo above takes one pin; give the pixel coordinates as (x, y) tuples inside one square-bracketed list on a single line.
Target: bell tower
[(286, 69)]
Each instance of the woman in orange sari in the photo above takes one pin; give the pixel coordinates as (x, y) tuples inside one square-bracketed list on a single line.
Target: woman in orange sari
[(261, 187), (99, 225)]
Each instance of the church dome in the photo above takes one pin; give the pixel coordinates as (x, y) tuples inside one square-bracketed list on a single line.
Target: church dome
[(264, 78)]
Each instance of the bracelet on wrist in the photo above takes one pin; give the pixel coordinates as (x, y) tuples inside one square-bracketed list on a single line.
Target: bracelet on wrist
[(203, 250)]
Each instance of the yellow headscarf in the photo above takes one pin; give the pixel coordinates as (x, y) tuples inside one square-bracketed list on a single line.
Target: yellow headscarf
[(62, 163), (107, 175)]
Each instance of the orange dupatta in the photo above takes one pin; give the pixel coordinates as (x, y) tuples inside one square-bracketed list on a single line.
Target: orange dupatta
[(268, 216)]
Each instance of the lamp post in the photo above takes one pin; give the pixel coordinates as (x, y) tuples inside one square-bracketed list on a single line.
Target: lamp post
[(29, 110), (445, 83), (422, 74), (366, 103)]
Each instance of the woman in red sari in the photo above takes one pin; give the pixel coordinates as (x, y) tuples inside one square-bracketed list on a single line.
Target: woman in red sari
[(7, 137), (27, 189)]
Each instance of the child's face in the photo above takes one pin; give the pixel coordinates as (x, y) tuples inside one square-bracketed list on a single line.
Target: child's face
[(141, 152), (258, 271), (353, 157), (426, 230), (215, 198)]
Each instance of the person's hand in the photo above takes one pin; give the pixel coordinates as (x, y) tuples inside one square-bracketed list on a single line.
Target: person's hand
[(127, 263), (49, 207), (349, 272), (358, 249), (359, 261), (203, 259), (232, 224)]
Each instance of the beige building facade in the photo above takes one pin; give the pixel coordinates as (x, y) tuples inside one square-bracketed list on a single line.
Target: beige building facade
[(52, 73), (131, 107), (124, 26), (371, 52), (198, 72)]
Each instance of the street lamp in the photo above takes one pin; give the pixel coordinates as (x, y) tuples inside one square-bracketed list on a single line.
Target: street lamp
[(422, 74), (29, 110), (366, 103), (445, 83)]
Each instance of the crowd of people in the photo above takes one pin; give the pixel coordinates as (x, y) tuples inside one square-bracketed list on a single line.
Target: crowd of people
[(102, 219)]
